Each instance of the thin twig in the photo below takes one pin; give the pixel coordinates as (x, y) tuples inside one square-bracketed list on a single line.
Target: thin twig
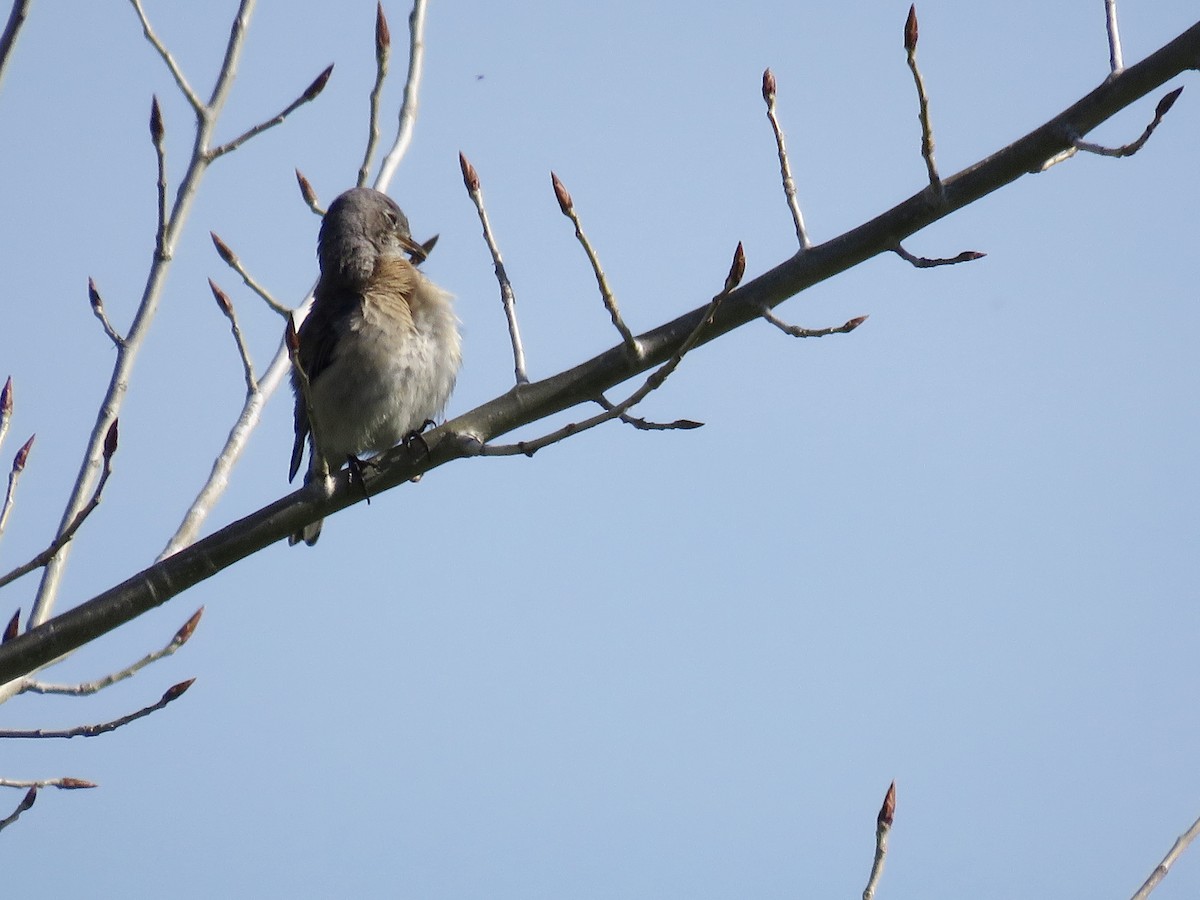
[(383, 53), (1161, 870), (567, 205), (1164, 105), (645, 424), (6, 407), (412, 89), (97, 304), (157, 135), (30, 797), (798, 332), (14, 475), (8, 40), (91, 687), (64, 536), (172, 66), (507, 298), (310, 94), (785, 167), (883, 825), (232, 260), (910, 48), (63, 784), (925, 262), (1114, 37), (226, 306), (172, 693)]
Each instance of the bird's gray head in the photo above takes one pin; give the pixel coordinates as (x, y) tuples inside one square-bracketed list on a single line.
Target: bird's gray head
[(361, 226)]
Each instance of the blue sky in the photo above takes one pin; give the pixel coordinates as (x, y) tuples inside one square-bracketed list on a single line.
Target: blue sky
[(956, 548)]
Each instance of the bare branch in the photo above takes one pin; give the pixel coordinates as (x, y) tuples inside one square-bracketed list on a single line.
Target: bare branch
[(1114, 36), (27, 802), (64, 536), (408, 107), (910, 48), (1164, 105), (883, 825), (63, 784), (172, 693), (8, 40), (567, 205), (309, 195), (232, 260), (785, 167), (383, 53), (226, 306), (798, 332), (157, 135), (925, 262), (1161, 870), (91, 687), (172, 66), (310, 94), (507, 298), (98, 309), (14, 475), (645, 425)]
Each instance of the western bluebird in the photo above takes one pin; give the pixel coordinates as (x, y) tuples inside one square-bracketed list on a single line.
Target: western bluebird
[(380, 347)]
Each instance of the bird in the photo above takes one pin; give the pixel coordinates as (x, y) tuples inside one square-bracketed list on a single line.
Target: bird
[(380, 348)]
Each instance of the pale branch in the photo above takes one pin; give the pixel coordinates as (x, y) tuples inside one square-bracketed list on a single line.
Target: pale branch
[(171, 694), (463, 436), (91, 687), (910, 49), (14, 475), (925, 262), (1114, 36), (383, 53), (1161, 870), (507, 298), (65, 783), (567, 205), (408, 106), (1077, 142), (309, 195), (234, 262), (173, 67), (226, 306), (883, 826), (207, 116), (8, 39), (308, 96), (97, 304), (64, 536), (645, 425), (797, 331), (30, 797), (785, 167)]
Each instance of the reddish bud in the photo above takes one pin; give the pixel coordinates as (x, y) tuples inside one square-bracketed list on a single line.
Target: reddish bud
[(855, 322), (6, 401), (565, 203), (75, 784), (888, 811), (175, 691), (10, 630), (768, 86), (188, 628), (23, 455), (318, 85), (94, 296), (156, 121), (222, 298), (30, 796), (306, 190), (910, 29), (470, 176), (110, 440), (223, 250), (737, 269), (1167, 102), (383, 35)]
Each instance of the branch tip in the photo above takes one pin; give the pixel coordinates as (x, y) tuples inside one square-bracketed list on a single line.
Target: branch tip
[(30, 797), (74, 784), (223, 250), (470, 176), (6, 395), (1167, 102), (94, 296), (565, 203), (768, 85), (383, 35), (313, 90), (23, 455), (887, 812), (175, 691), (156, 121), (736, 269), (910, 30), (307, 192), (187, 629), (222, 298)]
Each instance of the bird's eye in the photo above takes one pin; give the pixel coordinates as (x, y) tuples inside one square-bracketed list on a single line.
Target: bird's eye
[(393, 222)]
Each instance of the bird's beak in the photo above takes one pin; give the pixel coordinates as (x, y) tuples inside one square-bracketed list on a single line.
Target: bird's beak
[(416, 251)]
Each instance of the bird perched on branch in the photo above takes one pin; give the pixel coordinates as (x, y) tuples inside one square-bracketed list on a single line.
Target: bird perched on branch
[(380, 348)]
